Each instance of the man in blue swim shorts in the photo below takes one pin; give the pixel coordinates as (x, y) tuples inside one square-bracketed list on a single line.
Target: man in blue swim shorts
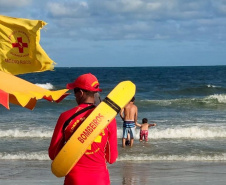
[(129, 117)]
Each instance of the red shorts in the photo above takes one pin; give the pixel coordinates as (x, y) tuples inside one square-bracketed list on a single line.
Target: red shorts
[(144, 135), (88, 178)]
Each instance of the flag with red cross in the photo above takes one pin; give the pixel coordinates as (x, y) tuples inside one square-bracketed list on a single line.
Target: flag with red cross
[(20, 51)]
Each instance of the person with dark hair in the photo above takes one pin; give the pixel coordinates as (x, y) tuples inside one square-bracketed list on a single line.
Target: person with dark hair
[(144, 129), (129, 117), (91, 167)]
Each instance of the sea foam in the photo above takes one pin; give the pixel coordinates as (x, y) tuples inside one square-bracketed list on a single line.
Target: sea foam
[(142, 157), (17, 133), (25, 156), (48, 86), (43, 156), (193, 132), (208, 100), (221, 98)]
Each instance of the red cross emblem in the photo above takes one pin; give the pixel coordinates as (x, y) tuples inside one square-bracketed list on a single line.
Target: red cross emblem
[(20, 44)]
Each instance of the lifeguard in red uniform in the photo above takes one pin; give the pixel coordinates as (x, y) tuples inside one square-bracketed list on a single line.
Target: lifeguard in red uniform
[(91, 169)]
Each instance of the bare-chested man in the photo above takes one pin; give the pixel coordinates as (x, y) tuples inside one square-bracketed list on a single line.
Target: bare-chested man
[(129, 116)]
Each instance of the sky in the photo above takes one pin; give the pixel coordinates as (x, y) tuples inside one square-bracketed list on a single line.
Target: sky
[(128, 33)]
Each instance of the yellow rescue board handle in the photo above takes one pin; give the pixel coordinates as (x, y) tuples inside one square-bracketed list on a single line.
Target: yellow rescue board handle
[(87, 132)]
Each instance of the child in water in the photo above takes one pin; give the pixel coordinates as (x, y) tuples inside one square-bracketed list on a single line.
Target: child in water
[(144, 129)]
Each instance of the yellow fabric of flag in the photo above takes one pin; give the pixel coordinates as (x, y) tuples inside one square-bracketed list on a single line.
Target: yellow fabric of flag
[(20, 51), (21, 92)]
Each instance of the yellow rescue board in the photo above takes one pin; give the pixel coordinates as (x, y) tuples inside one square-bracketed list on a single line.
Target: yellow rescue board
[(102, 115)]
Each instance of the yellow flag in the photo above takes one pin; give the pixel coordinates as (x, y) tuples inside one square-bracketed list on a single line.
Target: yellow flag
[(21, 92), (20, 51)]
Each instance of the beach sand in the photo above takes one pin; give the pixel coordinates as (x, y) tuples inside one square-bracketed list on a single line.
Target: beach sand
[(167, 173), (121, 173)]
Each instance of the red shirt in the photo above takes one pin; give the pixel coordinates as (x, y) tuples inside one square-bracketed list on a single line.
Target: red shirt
[(91, 168)]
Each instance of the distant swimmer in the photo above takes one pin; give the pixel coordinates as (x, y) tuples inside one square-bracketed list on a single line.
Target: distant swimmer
[(144, 129), (129, 117)]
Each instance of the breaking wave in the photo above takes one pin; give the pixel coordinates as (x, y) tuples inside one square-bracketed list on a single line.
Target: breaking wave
[(48, 86), (208, 101), (17, 133), (43, 156), (142, 157), (193, 132), (25, 156)]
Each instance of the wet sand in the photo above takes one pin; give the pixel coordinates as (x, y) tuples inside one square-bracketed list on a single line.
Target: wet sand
[(121, 173), (167, 173)]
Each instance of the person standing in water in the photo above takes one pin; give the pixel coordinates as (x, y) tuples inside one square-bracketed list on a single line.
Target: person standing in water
[(129, 116)]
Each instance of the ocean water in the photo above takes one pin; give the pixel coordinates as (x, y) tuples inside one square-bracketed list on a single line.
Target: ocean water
[(188, 104)]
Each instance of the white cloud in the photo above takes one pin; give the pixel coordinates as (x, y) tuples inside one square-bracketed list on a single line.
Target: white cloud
[(134, 19), (129, 19), (67, 9), (220, 6)]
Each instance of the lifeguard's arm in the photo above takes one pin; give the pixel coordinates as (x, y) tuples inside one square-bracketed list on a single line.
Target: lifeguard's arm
[(121, 114), (57, 141), (111, 147)]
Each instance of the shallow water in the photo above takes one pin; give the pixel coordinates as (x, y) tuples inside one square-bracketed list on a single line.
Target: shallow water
[(187, 103)]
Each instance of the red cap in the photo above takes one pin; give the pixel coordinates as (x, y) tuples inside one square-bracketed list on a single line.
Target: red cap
[(87, 82)]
